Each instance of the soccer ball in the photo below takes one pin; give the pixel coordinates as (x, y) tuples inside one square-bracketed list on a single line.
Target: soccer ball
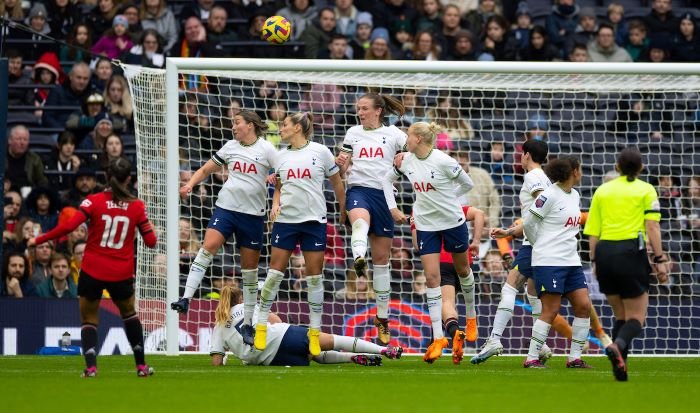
[(276, 30)]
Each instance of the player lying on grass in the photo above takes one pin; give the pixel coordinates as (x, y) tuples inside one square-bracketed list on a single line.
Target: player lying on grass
[(287, 345)]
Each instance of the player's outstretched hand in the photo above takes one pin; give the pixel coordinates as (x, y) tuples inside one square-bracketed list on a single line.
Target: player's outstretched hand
[(31, 242), (499, 233), (185, 191), (398, 216)]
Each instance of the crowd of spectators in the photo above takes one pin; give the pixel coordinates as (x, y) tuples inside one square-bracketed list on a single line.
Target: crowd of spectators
[(71, 110)]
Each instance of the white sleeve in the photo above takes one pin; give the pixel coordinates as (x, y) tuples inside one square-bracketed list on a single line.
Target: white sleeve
[(401, 143), (272, 156), (216, 345), (388, 186), (463, 182), (329, 163), (532, 221), (347, 144)]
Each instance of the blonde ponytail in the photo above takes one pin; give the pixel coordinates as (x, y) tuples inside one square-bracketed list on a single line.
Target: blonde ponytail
[(229, 296), (427, 131)]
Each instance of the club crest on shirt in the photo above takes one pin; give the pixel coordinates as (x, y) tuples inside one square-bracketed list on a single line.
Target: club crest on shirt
[(539, 202)]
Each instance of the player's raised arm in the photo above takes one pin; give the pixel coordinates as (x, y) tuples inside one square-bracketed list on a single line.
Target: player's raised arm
[(212, 165)]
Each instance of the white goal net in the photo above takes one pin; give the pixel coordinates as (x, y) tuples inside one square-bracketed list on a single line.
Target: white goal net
[(488, 110)]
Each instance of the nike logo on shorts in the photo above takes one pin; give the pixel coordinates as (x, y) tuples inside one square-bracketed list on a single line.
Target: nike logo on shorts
[(317, 244), (386, 229), (459, 246)]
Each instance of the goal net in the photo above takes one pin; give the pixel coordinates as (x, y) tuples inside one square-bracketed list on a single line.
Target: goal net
[(183, 115)]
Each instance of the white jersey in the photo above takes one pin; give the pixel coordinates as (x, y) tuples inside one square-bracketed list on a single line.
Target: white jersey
[(437, 206), (556, 243), (302, 173), (372, 153), (248, 168), (535, 180), (227, 337)]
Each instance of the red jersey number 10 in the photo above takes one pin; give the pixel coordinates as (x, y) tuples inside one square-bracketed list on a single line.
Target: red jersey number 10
[(114, 225)]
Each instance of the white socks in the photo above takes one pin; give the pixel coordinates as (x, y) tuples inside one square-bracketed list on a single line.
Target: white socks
[(504, 312), (381, 283), (333, 357), (467, 284), (434, 296), (540, 331), (250, 293), (355, 345), (269, 294), (358, 240), (199, 266), (579, 335), (315, 298), (536, 305)]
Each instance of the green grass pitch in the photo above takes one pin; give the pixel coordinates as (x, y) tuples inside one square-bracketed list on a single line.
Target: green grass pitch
[(190, 384)]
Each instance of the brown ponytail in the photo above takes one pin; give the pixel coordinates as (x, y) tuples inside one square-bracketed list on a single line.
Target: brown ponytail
[(388, 104)]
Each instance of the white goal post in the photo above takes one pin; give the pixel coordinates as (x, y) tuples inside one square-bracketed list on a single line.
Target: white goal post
[(578, 103)]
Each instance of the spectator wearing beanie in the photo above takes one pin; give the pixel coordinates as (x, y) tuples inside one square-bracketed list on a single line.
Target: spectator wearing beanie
[(116, 40)]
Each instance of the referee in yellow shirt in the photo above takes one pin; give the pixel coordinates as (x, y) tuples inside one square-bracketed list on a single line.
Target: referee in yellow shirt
[(624, 214)]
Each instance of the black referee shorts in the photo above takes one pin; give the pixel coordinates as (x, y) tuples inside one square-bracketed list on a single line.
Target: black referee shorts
[(91, 288), (622, 268)]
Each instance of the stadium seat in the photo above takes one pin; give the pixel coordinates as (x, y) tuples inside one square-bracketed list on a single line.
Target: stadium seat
[(41, 140)]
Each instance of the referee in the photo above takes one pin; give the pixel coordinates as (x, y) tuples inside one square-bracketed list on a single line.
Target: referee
[(624, 214)]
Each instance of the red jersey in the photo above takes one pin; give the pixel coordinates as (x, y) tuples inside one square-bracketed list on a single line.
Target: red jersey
[(109, 251), (446, 257)]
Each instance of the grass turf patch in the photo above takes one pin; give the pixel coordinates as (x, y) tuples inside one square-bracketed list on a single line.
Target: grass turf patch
[(189, 383)]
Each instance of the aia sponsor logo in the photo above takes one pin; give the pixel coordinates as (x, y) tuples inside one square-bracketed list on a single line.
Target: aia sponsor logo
[(371, 153), (244, 167)]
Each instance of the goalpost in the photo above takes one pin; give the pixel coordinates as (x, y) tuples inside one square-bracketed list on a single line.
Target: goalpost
[(591, 110)]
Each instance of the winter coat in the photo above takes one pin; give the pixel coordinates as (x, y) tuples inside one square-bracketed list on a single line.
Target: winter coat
[(300, 20), (166, 25)]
